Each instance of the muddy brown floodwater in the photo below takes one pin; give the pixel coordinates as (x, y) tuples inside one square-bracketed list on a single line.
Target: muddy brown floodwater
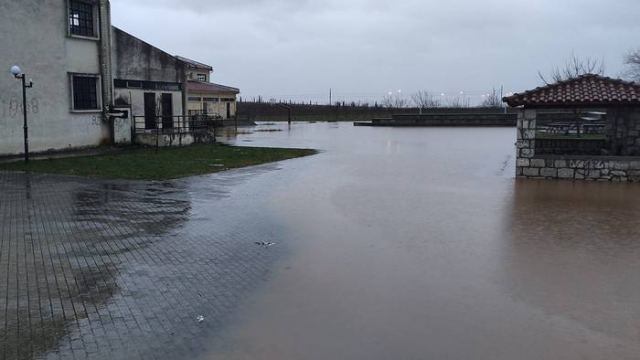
[(420, 244)]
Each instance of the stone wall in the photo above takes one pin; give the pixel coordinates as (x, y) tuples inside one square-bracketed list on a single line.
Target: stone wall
[(617, 169), (623, 129), (571, 167)]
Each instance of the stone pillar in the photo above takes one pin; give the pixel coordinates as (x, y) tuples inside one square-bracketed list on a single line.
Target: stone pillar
[(526, 145)]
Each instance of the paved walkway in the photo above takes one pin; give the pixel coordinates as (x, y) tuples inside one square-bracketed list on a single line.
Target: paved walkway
[(122, 270)]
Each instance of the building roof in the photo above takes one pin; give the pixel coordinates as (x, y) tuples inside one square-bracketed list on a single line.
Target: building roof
[(205, 87), (194, 64), (584, 91)]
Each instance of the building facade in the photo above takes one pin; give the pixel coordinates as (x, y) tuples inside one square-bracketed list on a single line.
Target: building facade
[(63, 46), (149, 81), (94, 84), (205, 97)]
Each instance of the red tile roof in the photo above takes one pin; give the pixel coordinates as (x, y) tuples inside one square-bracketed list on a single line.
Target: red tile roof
[(585, 90), (204, 87)]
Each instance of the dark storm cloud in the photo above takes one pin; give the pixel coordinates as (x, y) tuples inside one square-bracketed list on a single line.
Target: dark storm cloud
[(365, 48)]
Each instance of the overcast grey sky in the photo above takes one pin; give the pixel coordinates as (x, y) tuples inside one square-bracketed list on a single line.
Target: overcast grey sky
[(363, 49)]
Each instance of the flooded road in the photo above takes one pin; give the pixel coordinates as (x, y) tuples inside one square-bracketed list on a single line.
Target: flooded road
[(389, 244), (419, 244)]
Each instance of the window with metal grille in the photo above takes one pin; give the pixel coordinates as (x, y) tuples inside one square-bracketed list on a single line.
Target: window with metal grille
[(85, 92), (81, 19), (202, 77)]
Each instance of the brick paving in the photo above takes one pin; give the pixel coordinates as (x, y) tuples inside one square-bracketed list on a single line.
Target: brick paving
[(121, 270)]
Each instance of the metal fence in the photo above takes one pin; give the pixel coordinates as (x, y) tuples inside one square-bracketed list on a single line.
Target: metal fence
[(572, 124), (199, 125), (574, 133), (175, 124)]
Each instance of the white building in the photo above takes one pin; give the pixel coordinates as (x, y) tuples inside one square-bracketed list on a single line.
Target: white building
[(62, 46), (83, 71)]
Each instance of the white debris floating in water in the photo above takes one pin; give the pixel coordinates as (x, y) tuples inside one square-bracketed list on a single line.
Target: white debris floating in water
[(200, 318), (265, 244)]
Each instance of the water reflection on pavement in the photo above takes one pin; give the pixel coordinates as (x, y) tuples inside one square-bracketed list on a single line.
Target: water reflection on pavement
[(96, 269)]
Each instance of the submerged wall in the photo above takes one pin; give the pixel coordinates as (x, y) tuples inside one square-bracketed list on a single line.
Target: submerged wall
[(464, 119)]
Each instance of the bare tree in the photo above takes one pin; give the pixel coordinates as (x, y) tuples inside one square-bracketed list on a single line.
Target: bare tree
[(459, 102), (424, 100), (492, 100), (391, 101), (632, 60), (573, 68)]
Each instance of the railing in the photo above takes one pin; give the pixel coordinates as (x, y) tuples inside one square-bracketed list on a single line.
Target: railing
[(158, 125), (572, 134), (573, 125), (175, 124)]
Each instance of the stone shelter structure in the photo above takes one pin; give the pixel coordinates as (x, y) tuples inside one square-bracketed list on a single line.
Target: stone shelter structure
[(601, 141), (205, 97)]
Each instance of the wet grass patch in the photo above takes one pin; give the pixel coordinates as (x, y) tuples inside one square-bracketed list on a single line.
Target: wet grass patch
[(163, 164)]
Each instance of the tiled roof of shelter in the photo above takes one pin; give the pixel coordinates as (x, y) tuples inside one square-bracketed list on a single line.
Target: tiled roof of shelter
[(585, 90)]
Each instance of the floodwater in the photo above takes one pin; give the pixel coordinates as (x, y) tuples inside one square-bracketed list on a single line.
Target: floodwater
[(420, 244)]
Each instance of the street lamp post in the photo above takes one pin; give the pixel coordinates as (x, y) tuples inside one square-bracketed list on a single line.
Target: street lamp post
[(18, 74)]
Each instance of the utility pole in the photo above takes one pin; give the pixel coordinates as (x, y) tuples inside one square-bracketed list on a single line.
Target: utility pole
[(330, 96)]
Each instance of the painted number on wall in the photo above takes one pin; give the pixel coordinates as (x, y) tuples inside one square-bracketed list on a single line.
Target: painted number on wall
[(13, 107)]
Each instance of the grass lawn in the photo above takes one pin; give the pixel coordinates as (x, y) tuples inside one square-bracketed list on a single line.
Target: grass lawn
[(167, 163)]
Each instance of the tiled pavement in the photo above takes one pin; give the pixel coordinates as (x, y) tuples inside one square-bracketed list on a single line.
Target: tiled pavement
[(121, 270)]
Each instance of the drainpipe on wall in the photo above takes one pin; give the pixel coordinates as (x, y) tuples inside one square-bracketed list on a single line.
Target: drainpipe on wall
[(106, 72), (185, 111)]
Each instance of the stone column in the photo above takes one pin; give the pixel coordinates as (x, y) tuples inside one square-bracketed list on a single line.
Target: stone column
[(526, 140)]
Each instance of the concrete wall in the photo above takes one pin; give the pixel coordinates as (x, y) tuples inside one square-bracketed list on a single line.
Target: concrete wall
[(164, 140), (481, 119), (135, 99), (192, 74), (134, 59), (35, 36), (213, 108)]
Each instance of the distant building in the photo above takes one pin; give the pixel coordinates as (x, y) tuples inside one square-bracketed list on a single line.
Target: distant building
[(587, 128), (205, 97)]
